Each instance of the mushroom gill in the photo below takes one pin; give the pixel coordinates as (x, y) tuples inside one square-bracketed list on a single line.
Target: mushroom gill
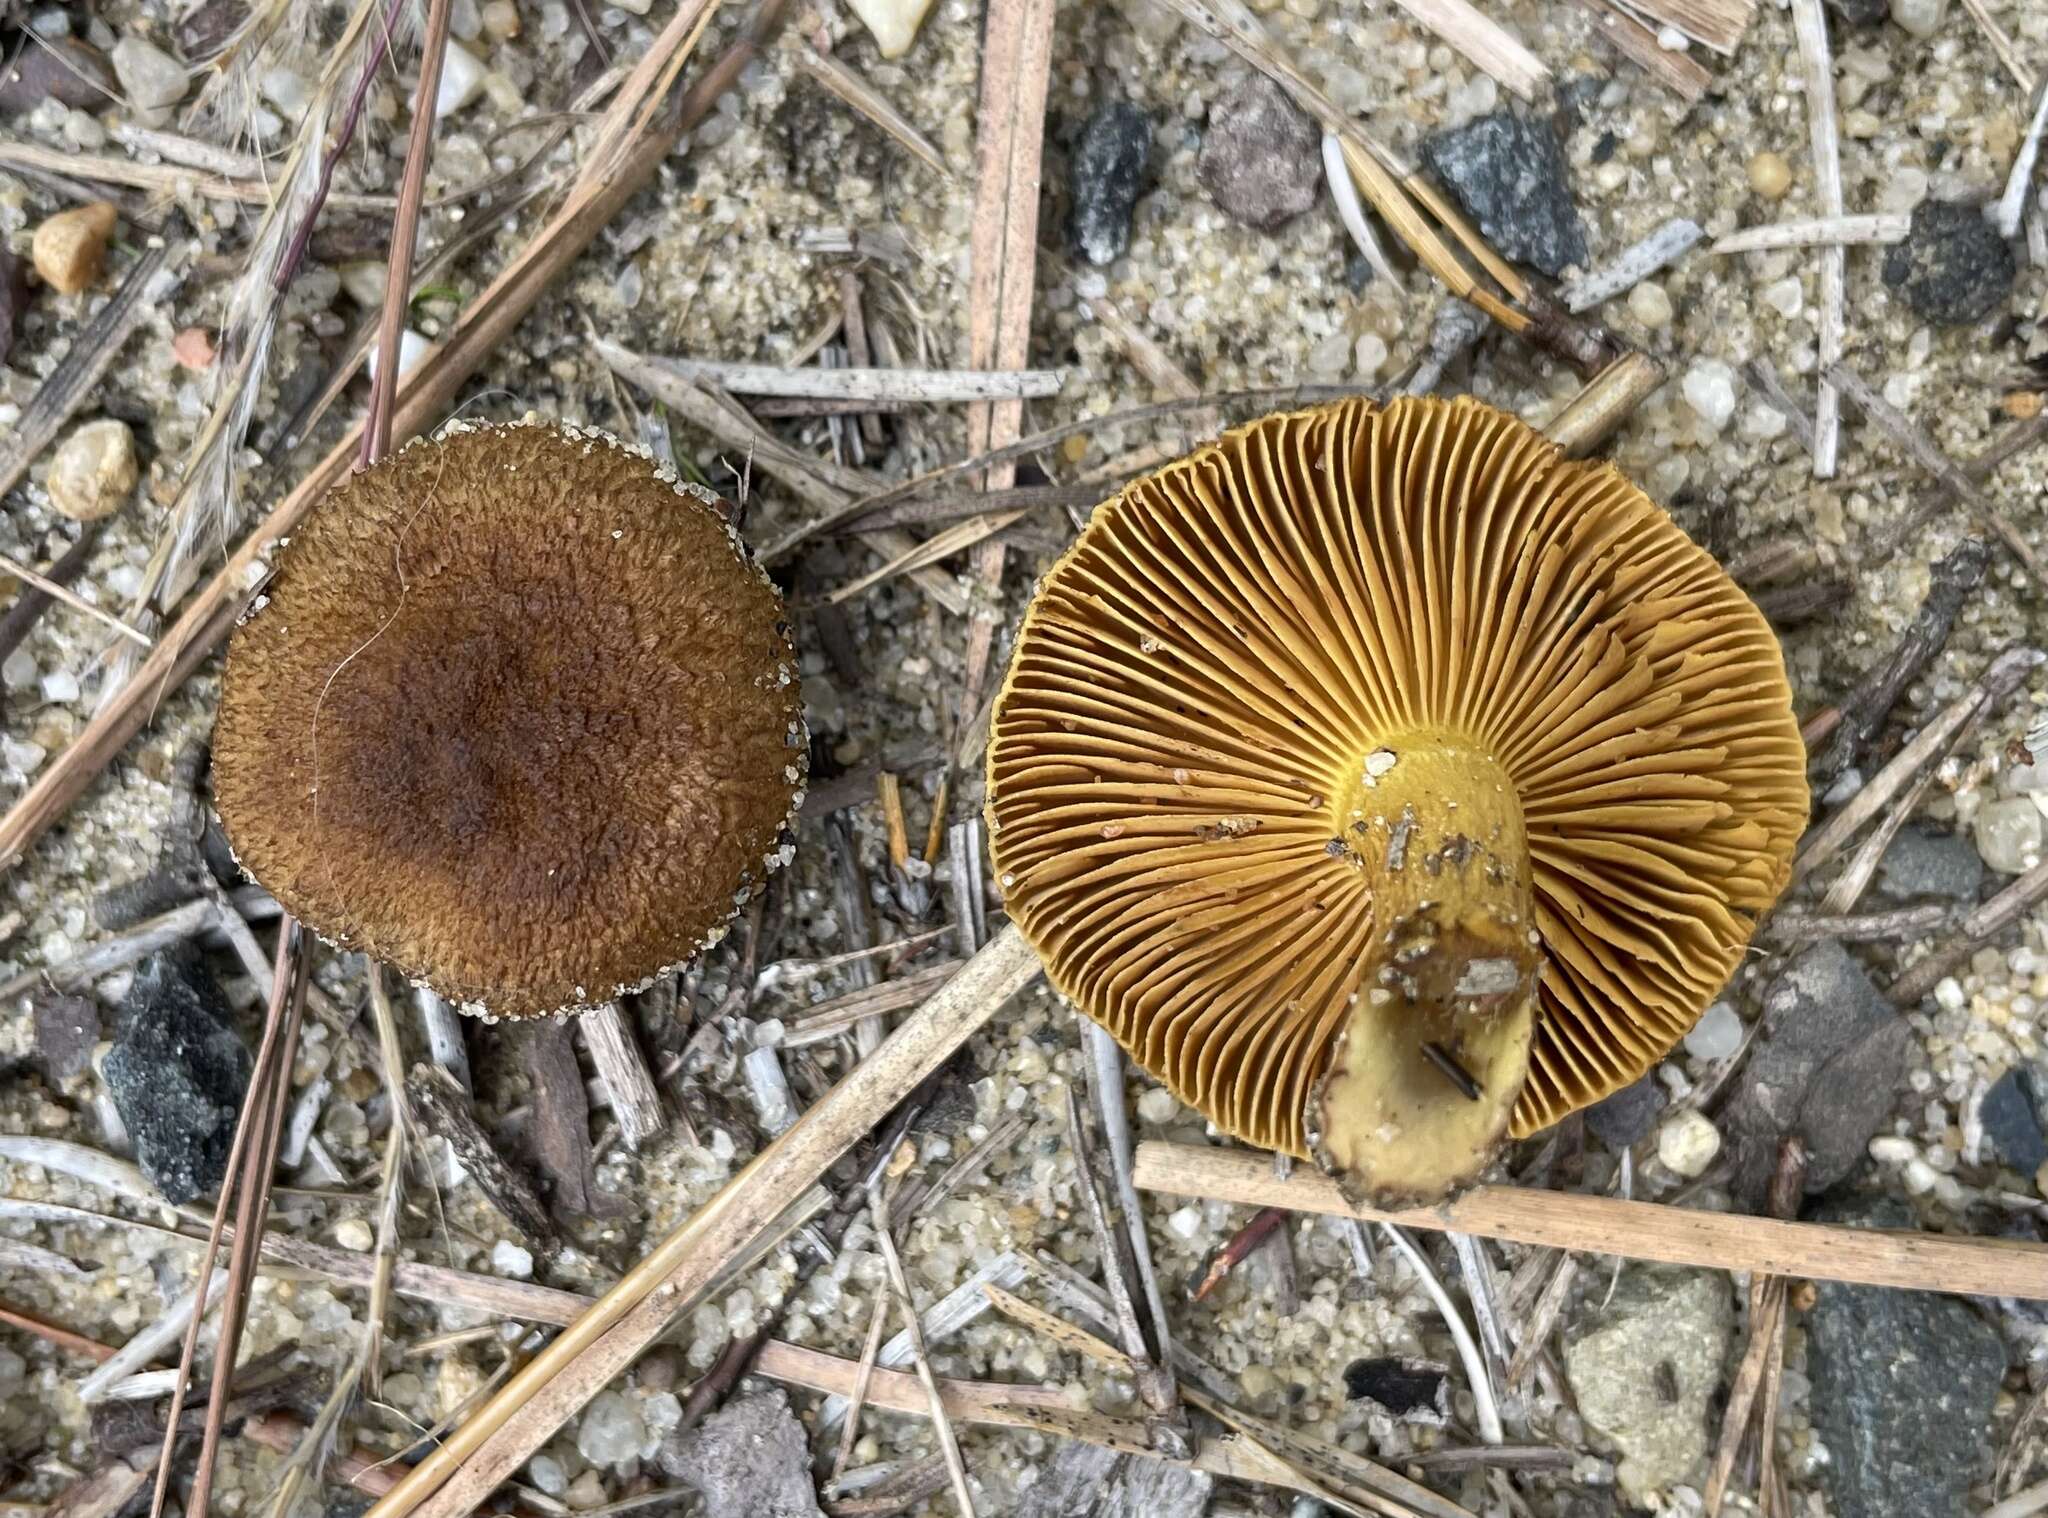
[(1387, 783), (517, 715)]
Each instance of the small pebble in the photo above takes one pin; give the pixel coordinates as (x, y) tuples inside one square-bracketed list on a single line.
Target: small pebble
[(1784, 296), (547, 1475), (151, 79), (354, 1233), (2008, 834), (1687, 1143), (508, 1259), (93, 471), (586, 1491), (462, 80), (1261, 158), (1890, 1149), (411, 349), (611, 1431), (1952, 267), (501, 20), (193, 348), (60, 69), (1716, 1035), (1648, 304), (1108, 170), (1709, 389), (892, 23), (1158, 1106), (1770, 176), (1922, 18), (70, 248), (60, 686)]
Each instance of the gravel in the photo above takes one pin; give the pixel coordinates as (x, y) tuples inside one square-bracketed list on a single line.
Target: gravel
[(1508, 171), (1107, 177), (1952, 267), (1903, 1387), (1261, 156), (177, 1073)]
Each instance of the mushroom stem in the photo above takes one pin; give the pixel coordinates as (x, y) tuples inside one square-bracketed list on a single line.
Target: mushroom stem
[(1423, 1076)]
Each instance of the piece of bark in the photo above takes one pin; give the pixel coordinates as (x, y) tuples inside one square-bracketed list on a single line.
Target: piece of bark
[(560, 1133), (443, 1107), (1865, 709)]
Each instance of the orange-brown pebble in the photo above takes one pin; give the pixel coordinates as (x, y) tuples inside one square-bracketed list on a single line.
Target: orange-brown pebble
[(70, 248), (193, 348), (1075, 448), (2025, 405), (1770, 176)]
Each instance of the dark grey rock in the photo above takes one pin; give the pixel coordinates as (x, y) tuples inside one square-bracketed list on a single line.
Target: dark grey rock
[(178, 1074), (1085, 1481), (749, 1459), (1923, 864), (1903, 1386), (1413, 1390), (1626, 1117), (1508, 171), (67, 1028), (1108, 177), (1261, 158), (63, 69), (1827, 1067), (2012, 1112), (1953, 268), (1860, 12)]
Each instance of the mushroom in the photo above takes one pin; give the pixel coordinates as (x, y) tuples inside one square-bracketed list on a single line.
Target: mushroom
[(1389, 784), (518, 715)]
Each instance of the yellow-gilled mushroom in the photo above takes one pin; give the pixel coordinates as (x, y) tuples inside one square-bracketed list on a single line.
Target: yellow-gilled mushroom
[(1389, 784), (518, 715)]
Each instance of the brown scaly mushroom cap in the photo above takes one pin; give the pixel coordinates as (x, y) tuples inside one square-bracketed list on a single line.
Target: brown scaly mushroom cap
[(1387, 783), (517, 715)]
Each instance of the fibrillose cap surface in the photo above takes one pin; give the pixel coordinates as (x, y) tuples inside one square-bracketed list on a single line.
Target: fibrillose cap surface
[(516, 715), (1360, 686)]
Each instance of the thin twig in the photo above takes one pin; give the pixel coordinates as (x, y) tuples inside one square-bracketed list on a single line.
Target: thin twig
[(1489, 45), (1476, 1371), (1632, 1230), (1925, 452), (1816, 232), (1817, 65), (949, 1445), (506, 1432), (45, 585), (425, 392), (853, 88)]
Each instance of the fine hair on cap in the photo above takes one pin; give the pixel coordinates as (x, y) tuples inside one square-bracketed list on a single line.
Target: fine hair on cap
[(1389, 784), (517, 715)]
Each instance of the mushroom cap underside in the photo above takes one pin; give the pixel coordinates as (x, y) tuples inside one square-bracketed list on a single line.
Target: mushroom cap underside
[(517, 715), (1180, 762)]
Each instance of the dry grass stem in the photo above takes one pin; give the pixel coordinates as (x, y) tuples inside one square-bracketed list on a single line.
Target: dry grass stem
[(2001, 44), (1106, 1066), (1926, 453), (1604, 403), (50, 1333), (942, 1426), (1638, 43), (1935, 739), (147, 285), (1994, 916), (1717, 23), (1631, 1230), (1816, 232), (557, 1383), (1477, 1373), (853, 88), (622, 1071), (58, 591), (2013, 203), (903, 386), (1636, 263), (1817, 64), (1543, 1316), (1490, 46), (857, 1397)]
